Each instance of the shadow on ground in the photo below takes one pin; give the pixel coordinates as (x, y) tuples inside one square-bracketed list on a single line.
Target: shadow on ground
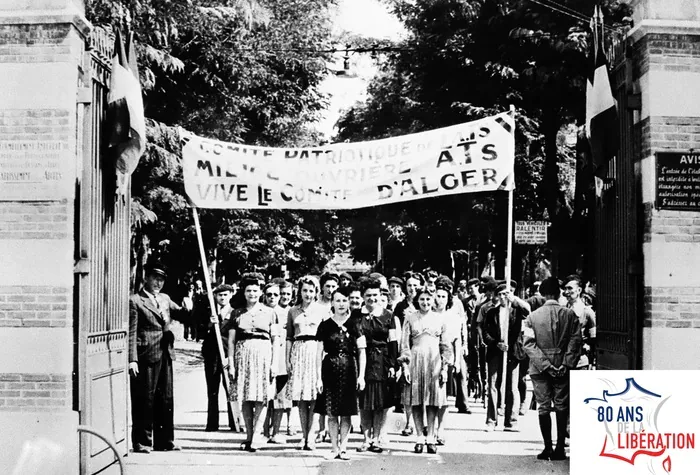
[(188, 357), (446, 463)]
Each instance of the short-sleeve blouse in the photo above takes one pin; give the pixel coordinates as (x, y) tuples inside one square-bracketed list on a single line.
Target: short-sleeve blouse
[(338, 338), (304, 322), (258, 321)]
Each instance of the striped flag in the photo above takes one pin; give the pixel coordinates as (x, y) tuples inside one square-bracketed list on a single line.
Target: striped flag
[(601, 110), (125, 119)]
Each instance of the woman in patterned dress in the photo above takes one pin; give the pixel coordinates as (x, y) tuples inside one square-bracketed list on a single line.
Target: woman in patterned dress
[(414, 282), (425, 348), (279, 404), (380, 330), (251, 347), (302, 348), (341, 340), (454, 323)]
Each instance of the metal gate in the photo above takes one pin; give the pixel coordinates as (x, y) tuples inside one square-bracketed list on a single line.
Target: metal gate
[(618, 239), (102, 271)]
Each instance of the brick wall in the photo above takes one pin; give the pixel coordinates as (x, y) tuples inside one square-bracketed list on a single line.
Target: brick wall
[(668, 306), (35, 43), (35, 124), (35, 306), (41, 220), (665, 52), (658, 134), (34, 392), (672, 307)]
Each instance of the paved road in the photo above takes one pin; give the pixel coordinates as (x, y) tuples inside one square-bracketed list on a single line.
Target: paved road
[(469, 449)]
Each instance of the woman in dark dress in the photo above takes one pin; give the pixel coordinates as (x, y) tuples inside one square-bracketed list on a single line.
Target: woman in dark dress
[(379, 328), (341, 341)]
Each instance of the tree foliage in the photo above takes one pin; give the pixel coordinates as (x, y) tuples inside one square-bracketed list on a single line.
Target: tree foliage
[(234, 70), (464, 60)]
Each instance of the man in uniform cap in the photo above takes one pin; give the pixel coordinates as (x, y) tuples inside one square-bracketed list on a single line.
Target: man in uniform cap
[(213, 367), (150, 363), (552, 340)]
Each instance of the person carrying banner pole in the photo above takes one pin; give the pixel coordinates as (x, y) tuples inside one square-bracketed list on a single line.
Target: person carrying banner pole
[(509, 257), (215, 320)]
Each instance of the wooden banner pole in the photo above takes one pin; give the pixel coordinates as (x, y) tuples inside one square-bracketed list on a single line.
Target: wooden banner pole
[(215, 318), (509, 258)]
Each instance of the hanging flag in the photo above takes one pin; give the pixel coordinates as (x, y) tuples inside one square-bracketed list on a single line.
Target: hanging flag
[(601, 110), (125, 124), (379, 250)]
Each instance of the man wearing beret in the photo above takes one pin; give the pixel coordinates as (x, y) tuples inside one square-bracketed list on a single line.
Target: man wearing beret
[(150, 363), (213, 368), (501, 331), (345, 279), (552, 340)]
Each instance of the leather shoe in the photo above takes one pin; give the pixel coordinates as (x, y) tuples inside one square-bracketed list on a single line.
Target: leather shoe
[(546, 454), (142, 449), (558, 454)]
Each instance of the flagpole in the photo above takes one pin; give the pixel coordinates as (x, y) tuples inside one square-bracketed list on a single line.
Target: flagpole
[(509, 257), (214, 317)]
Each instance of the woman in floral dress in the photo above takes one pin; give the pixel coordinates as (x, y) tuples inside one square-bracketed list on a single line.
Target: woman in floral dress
[(302, 349), (341, 341), (251, 347), (414, 282), (425, 348), (454, 323)]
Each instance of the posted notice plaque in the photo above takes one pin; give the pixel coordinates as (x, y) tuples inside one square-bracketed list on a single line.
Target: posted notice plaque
[(678, 181), (34, 170), (531, 232)]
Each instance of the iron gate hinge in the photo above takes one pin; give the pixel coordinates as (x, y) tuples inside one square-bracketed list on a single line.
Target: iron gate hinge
[(82, 266), (634, 102), (84, 95)]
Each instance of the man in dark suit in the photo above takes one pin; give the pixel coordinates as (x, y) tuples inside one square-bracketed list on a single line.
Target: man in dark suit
[(213, 368), (501, 331), (150, 364)]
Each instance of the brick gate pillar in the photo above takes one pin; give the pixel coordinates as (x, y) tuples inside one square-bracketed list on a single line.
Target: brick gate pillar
[(42, 44), (666, 72)]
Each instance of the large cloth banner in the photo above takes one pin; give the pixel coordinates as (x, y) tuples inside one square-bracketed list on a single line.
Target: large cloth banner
[(466, 158)]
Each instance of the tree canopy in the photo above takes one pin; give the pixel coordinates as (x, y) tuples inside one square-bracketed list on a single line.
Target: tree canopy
[(464, 60), (234, 70)]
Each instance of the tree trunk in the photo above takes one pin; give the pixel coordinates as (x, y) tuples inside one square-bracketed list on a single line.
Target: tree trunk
[(561, 237)]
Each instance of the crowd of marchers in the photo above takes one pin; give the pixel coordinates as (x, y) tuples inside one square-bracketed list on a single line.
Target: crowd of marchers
[(336, 347)]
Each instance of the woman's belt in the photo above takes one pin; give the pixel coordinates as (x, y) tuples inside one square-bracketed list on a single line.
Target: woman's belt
[(252, 336), (305, 338)]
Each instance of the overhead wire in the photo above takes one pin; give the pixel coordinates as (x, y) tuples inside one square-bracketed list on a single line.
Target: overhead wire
[(564, 10), (549, 4)]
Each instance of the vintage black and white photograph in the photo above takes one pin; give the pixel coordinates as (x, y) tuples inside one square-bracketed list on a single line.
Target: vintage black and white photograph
[(325, 237)]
